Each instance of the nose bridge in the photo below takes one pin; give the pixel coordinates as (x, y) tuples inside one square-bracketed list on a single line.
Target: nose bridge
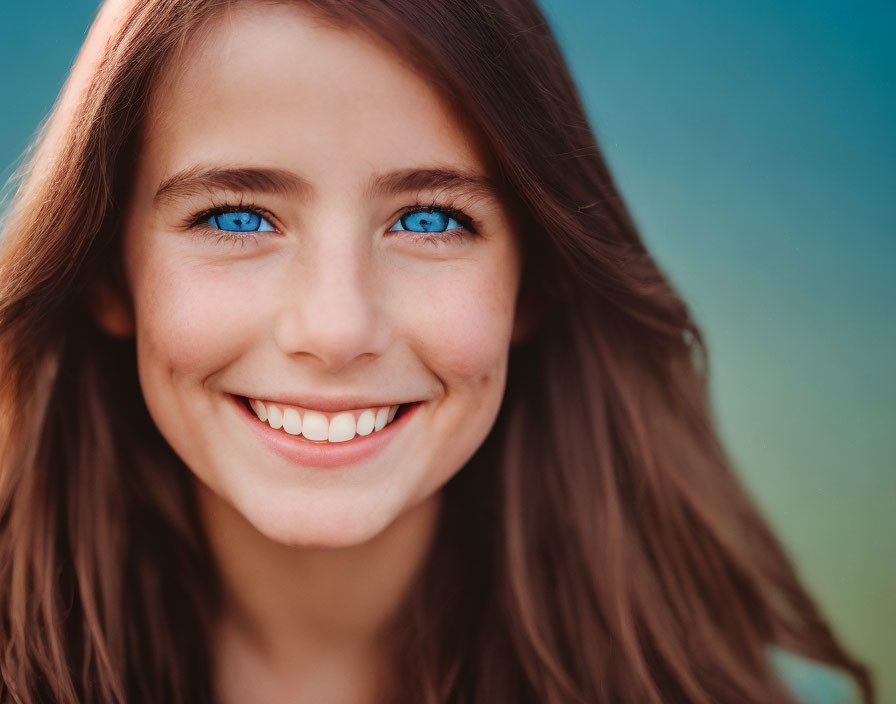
[(328, 308)]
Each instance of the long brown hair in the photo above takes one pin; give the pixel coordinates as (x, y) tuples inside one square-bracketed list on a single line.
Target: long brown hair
[(596, 548)]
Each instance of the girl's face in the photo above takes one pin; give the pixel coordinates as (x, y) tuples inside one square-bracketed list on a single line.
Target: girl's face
[(315, 289)]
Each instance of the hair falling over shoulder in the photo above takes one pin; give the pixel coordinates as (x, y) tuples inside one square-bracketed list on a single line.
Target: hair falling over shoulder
[(597, 548)]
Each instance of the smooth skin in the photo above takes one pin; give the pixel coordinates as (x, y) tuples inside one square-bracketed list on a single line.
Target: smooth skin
[(333, 295)]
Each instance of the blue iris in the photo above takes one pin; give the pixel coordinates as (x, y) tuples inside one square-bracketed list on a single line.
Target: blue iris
[(427, 221), (240, 221)]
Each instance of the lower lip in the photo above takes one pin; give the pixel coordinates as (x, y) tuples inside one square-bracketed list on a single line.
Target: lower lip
[(301, 451)]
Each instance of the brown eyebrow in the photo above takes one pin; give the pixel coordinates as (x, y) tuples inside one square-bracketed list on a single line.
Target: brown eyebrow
[(447, 179), (199, 179)]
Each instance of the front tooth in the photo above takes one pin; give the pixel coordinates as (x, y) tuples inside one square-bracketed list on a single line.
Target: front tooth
[(315, 426), (275, 416), (366, 421), (392, 411), (292, 421), (382, 416), (342, 428), (259, 409)]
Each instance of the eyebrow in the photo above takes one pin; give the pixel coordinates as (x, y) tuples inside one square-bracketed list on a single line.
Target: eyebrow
[(199, 179)]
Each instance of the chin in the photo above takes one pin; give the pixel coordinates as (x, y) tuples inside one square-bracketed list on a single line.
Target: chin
[(318, 524)]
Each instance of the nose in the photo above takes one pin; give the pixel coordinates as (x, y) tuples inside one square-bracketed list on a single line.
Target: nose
[(329, 309)]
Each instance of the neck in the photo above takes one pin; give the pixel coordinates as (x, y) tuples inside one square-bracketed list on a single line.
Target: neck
[(299, 610)]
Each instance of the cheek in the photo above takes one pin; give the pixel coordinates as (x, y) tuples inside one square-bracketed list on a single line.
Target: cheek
[(191, 319), (462, 322)]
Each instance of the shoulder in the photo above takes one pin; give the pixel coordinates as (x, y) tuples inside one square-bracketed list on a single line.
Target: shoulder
[(813, 682)]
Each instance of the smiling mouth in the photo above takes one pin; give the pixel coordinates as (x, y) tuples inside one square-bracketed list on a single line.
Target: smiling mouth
[(324, 429)]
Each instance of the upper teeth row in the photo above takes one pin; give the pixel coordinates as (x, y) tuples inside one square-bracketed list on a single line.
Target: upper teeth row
[(315, 425)]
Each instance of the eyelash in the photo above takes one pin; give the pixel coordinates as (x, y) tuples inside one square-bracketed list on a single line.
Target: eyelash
[(468, 225)]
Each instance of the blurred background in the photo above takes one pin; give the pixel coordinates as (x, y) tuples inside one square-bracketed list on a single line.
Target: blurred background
[(755, 144)]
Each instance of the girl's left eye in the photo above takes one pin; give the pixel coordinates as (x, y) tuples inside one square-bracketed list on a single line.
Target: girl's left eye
[(239, 221), (424, 219)]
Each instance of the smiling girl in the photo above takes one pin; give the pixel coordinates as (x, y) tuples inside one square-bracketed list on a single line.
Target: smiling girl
[(334, 370)]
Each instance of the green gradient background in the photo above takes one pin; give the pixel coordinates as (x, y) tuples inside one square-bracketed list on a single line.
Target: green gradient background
[(755, 146)]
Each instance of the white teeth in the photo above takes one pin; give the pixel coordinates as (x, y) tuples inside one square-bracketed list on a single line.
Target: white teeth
[(382, 416), (342, 428), (315, 426), (366, 422), (292, 422), (275, 416), (259, 409)]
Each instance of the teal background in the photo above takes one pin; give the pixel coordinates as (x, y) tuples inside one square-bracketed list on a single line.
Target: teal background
[(754, 143)]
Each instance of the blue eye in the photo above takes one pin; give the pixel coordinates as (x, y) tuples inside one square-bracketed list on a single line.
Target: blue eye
[(427, 220), (239, 221)]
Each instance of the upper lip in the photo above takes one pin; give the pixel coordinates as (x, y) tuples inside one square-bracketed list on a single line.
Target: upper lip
[(327, 404)]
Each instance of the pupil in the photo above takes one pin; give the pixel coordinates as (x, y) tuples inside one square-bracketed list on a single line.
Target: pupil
[(237, 222), (428, 221)]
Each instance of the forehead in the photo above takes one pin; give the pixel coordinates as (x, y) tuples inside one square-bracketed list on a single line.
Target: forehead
[(267, 84)]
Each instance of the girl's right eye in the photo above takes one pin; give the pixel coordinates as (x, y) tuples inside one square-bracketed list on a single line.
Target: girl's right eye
[(239, 221)]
